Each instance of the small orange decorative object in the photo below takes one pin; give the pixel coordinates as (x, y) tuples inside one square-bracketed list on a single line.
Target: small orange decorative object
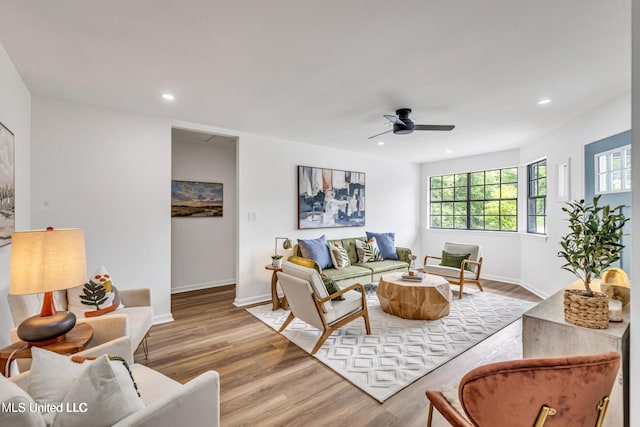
[(616, 285)]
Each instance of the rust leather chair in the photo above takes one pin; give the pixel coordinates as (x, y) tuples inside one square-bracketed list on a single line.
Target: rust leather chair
[(554, 392)]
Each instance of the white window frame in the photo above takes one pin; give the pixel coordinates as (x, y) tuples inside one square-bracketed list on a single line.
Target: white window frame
[(624, 167)]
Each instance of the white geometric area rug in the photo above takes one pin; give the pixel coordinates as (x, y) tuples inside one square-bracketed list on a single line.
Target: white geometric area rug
[(400, 351)]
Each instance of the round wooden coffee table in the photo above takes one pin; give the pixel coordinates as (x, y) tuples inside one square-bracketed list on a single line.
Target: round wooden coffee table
[(427, 299)]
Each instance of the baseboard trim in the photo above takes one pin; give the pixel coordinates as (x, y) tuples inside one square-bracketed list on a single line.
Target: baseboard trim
[(519, 282), (198, 286), (250, 301), (162, 318)]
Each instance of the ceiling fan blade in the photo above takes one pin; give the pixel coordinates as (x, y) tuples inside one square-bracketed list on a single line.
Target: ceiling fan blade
[(393, 119), (390, 130), (433, 127)]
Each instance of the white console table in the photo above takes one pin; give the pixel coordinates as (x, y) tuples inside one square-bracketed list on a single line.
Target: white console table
[(545, 333)]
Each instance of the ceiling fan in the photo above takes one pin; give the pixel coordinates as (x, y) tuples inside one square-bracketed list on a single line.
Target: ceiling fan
[(403, 125)]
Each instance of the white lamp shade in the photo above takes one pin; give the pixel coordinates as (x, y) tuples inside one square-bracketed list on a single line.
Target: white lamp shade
[(47, 260)]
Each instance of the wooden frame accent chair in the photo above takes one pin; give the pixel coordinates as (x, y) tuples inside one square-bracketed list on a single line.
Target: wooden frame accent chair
[(467, 272), (552, 392), (309, 301)]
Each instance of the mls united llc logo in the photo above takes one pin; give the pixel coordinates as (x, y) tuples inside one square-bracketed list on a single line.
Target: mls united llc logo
[(21, 407)]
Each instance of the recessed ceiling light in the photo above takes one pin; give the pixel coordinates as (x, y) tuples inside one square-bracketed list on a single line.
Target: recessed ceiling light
[(380, 143), (544, 101), (168, 97), (448, 151)]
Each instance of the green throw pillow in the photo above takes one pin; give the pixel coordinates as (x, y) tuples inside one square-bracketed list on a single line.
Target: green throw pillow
[(454, 260), (332, 287)]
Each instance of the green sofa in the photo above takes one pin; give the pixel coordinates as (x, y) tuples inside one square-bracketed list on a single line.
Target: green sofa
[(365, 273)]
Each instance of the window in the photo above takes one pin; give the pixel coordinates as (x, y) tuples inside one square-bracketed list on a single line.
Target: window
[(613, 170), (537, 197), (485, 200)]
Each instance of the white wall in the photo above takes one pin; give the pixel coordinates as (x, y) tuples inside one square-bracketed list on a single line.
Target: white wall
[(568, 141), (518, 257), (268, 187), (15, 114), (108, 173), (203, 250)]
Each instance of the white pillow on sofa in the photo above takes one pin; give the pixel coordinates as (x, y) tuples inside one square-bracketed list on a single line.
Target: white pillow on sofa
[(103, 394), (16, 406), (56, 379)]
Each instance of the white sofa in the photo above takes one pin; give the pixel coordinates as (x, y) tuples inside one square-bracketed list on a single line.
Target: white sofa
[(167, 402), (133, 321)]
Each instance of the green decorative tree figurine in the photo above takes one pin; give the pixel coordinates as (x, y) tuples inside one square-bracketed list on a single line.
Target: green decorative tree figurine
[(94, 294)]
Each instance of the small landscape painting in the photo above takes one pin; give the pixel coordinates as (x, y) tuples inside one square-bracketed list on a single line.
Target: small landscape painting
[(196, 199), (7, 186)]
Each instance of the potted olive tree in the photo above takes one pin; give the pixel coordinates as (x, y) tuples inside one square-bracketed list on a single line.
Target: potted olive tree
[(591, 245)]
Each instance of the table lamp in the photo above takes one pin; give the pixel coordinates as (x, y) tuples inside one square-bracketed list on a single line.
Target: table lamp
[(47, 261), (287, 244)]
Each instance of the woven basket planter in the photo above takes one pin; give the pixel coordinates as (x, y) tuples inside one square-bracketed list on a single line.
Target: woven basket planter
[(589, 312)]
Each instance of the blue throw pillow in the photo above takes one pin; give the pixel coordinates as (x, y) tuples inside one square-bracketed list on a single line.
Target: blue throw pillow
[(317, 250), (385, 243)]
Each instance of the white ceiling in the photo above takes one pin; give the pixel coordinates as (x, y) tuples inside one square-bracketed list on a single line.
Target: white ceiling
[(325, 71)]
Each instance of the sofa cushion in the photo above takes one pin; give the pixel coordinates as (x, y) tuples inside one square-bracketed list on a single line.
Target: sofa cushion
[(317, 250), (140, 321), (11, 395), (449, 259), (382, 266), (339, 255), (98, 296), (332, 287), (386, 244), (153, 385), (104, 393), (368, 251), (440, 270), (350, 245), (351, 303), (349, 272)]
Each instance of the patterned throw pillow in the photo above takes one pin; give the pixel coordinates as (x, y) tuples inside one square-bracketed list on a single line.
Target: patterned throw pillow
[(339, 256), (332, 287), (96, 297), (368, 251)]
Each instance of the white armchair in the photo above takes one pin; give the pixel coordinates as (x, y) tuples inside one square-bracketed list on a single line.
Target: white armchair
[(467, 272), (133, 321), (309, 301), (168, 403)]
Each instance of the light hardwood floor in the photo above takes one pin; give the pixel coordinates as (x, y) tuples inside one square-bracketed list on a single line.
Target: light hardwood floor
[(268, 381)]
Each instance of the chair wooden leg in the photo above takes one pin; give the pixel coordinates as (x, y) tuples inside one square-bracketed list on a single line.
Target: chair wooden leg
[(321, 340), (461, 285), (286, 322), (430, 414), (367, 325), (145, 347)]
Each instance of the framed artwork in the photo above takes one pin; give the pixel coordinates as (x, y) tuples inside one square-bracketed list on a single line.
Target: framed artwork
[(330, 198), (196, 199), (7, 186)]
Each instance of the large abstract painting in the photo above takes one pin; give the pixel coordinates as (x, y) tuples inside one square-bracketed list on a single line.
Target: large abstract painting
[(196, 199), (7, 186), (330, 198)]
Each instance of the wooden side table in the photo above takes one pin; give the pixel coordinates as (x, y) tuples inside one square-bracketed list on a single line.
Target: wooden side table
[(277, 302), (76, 340)]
